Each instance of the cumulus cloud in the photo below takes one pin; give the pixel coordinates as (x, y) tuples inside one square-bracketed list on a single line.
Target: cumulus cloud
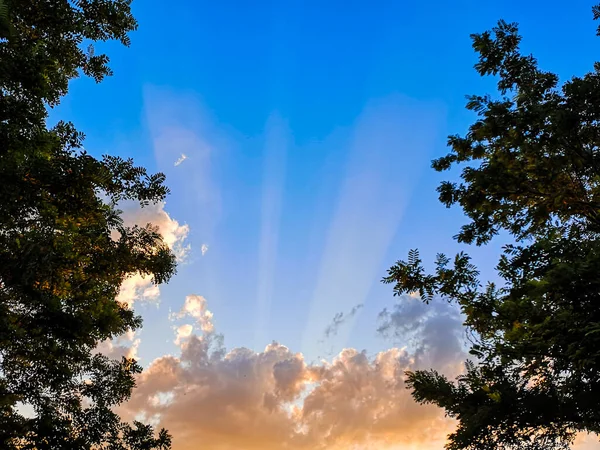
[(172, 232), (339, 319), (195, 307), (273, 399), (183, 332), (204, 249), (181, 159), (433, 332), (126, 345), (585, 441), (138, 287)]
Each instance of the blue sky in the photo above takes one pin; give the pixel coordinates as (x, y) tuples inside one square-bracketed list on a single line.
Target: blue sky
[(309, 128), (314, 70)]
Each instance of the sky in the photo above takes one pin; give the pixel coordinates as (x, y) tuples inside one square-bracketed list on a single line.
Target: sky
[(296, 137)]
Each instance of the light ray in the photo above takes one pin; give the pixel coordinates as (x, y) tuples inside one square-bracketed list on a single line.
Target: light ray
[(272, 195), (389, 148)]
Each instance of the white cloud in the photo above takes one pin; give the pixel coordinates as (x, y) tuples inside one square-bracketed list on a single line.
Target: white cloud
[(204, 249), (181, 159), (195, 306), (137, 288)]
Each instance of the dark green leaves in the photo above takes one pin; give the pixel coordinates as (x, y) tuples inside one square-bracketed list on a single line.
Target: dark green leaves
[(64, 250), (459, 280), (531, 167)]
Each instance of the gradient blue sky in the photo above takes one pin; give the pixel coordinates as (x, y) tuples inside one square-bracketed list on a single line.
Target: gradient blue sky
[(309, 127), (295, 99)]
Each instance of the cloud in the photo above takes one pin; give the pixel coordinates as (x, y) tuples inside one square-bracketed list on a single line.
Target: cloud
[(339, 319), (436, 338), (181, 159), (138, 287), (434, 332), (195, 307), (586, 441), (216, 399), (126, 345), (182, 333), (204, 249), (173, 233)]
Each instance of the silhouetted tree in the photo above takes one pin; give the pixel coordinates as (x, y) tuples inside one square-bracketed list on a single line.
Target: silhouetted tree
[(64, 250), (530, 166)]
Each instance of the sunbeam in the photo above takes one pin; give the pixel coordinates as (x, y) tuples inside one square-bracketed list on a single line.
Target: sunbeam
[(389, 145), (274, 162)]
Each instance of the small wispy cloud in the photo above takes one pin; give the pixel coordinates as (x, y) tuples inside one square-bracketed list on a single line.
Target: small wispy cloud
[(204, 249), (183, 132), (181, 159), (339, 319)]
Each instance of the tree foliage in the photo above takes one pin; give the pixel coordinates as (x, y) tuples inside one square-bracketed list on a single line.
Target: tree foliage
[(530, 166), (64, 250)]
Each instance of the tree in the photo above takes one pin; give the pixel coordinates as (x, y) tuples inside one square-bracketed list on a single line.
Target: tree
[(530, 166), (64, 250)]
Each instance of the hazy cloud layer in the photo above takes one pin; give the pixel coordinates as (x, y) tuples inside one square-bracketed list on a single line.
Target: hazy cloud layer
[(212, 398)]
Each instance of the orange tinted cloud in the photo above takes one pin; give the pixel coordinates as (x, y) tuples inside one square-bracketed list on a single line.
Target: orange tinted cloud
[(125, 345), (137, 288), (215, 399)]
